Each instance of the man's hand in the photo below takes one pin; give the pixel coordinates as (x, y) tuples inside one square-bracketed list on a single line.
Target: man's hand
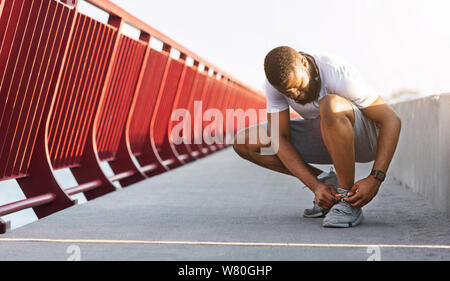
[(363, 192), (326, 195)]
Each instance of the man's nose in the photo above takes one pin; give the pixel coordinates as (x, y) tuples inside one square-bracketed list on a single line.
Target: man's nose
[(294, 95)]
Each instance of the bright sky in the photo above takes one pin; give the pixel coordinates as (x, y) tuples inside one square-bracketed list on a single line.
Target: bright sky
[(395, 44)]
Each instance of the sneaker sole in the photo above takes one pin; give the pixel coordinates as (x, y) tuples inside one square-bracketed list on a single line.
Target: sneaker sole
[(316, 215), (345, 225)]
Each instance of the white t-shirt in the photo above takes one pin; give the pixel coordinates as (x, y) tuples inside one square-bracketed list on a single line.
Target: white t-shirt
[(338, 77)]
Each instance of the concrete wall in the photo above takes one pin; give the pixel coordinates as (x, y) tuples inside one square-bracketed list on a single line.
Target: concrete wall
[(422, 158)]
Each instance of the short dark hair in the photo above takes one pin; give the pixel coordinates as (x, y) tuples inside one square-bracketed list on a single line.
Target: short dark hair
[(279, 63)]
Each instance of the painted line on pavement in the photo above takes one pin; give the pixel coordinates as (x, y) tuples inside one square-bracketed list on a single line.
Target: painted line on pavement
[(202, 243)]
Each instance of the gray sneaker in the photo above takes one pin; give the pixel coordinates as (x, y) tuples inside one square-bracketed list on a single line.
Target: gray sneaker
[(316, 211), (342, 214)]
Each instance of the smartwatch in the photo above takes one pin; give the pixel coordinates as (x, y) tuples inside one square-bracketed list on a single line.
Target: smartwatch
[(379, 175)]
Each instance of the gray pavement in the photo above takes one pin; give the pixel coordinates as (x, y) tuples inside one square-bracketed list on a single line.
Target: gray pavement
[(225, 208)]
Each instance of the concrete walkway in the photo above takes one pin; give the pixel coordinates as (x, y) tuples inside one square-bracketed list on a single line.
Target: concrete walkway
[(224, 208)]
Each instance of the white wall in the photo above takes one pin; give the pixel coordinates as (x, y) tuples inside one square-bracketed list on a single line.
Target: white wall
[(422, 159)]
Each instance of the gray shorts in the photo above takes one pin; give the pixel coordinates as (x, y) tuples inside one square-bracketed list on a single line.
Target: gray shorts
[(307, 139)]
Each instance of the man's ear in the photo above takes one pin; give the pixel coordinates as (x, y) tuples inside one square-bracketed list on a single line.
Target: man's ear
[(304, 62)]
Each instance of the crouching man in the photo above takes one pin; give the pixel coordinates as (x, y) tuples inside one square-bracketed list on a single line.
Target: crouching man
[(343, 121)]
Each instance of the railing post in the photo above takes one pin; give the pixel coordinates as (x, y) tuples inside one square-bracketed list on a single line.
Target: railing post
[(165, 152), (89, 169), (123, 160), (204, 151), (185, 150), (149, 155), (40, 179), (190, 105)]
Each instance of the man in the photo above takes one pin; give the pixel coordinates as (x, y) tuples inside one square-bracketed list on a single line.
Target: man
[(343, 121)]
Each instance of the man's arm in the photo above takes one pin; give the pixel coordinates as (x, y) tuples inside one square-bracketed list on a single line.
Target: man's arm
[(390, 123), (291, 159)]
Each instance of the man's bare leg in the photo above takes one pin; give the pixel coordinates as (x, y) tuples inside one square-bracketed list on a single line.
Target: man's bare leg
[(251, 152), (337, 119)]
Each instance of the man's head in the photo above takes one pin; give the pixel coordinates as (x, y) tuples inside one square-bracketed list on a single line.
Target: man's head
[(289, 72)]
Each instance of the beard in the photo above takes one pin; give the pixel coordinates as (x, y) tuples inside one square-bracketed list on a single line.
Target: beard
[(312, 91), (308, 98), (309, 95)]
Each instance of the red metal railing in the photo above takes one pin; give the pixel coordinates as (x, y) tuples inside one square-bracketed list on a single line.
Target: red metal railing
[(75, 92)]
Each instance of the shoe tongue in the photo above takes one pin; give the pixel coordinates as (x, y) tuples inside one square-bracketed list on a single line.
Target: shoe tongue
[(323, 175)]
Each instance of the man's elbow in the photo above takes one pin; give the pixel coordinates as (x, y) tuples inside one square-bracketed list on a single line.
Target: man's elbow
[(397, 121), (392, 120), (394, 123)]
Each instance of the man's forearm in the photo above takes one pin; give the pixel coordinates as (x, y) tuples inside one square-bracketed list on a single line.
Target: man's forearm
[(387, 143), (292, 160)]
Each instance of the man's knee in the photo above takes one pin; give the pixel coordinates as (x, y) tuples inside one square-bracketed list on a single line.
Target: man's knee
[(334, 109)]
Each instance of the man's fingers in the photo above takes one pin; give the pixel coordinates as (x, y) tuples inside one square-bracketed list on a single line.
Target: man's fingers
[(353, 190), (365, 202), (333, 190), (324, 205), (352, 199), (335, 195), (358, 204), (327, 202), (337, 198)]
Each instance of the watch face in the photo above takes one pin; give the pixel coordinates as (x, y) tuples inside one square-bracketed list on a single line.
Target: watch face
[(379, 175)]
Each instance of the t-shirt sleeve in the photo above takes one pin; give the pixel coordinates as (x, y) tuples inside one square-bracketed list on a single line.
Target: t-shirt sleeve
[(352, 86), (276, 102)]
